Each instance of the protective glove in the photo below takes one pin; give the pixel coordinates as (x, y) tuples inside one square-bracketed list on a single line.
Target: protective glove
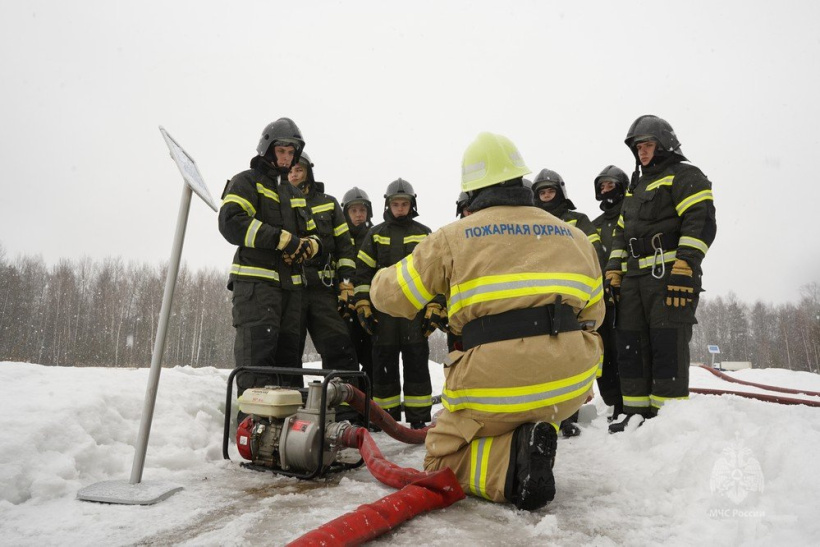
[(345, 305), (288, 244), (612, 284), (445, 321), (365, 314), (432, 319), (680, 287), (308, 247)]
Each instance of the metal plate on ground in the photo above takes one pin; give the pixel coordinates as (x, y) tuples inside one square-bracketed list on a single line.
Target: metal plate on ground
[(125, 493)]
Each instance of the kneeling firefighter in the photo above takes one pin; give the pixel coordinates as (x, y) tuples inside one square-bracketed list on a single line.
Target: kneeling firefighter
[(520, 285)]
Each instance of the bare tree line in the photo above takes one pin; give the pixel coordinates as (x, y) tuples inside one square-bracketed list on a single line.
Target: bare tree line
[(104, 313)]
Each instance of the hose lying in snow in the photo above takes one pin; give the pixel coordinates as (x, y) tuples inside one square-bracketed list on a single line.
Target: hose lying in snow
[(385, 421), (420, 492), (728, 378), (759, 396)]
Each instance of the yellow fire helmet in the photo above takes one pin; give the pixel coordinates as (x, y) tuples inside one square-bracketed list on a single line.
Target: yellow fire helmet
[(490, 159)]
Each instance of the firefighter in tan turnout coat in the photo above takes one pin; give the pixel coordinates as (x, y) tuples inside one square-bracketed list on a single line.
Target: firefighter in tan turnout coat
[(524, 290)]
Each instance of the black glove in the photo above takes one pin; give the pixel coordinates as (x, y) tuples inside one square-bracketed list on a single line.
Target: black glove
[(308, 247), (288, 243), (680, 287), (432, 319), (345, 303), (365, 314), (612, 285)]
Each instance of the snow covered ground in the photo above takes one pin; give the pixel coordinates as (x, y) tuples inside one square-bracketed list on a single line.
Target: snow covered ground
[(711, 470)]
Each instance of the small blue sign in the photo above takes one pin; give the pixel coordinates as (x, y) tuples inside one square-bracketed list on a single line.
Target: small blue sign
[(713, 349)]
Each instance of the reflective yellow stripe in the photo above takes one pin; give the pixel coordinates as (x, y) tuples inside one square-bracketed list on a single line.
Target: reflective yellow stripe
[(414, 239), (311, 225), (479, 462), (250, 235), (328, 274), (572, 222), (242, 202), (346, 263), (361, 289), (705, 195), (268, 193), (636, 402), (364, 257), (322, 208), (658, 402), (594, 238), (341, 229), (297, 202), (263, 273), (618, 253), (621, 221), (700, 245), (412, 287), (650, 262), (389, 402), (418, 401), (665, 181), (381, 240), (521, 398), (497, 287)]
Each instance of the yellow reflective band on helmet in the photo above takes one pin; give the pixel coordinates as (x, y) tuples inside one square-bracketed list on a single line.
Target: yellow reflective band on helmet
[(364, 257), (572, 222), (479, 462), (636, 402), (360, 289), (658, 402), (260, 188), (665, 181), (705, 195), (388, 402), (593, 238), (242, 202), (686, 241), (418, 401), (381, 240), (297, 202), (250, 235), (322, 208), (520, 398), (651, 262), (497, 287), (341, 229), (414, 239), (412, 287), (346, 263)]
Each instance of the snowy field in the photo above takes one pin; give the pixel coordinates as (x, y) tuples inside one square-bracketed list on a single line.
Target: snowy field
[(712, 470)]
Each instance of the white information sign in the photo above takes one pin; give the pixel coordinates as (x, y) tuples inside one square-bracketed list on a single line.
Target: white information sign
[(187, 166), (713, 349)]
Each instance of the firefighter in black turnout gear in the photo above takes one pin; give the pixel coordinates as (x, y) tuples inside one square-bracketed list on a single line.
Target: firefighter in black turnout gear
[(654, 271), (610, 188), (358, 212), (267, 219), (327, 275), (385, 245)]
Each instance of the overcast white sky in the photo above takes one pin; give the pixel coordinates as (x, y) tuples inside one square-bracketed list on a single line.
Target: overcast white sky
[(382, 91)]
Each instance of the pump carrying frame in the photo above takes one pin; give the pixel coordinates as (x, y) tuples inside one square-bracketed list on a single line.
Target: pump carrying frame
[(328, 376)]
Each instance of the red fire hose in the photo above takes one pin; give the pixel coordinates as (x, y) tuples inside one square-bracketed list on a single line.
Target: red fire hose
[(385, 421), (420, 492), (728, 378), (759, 396)]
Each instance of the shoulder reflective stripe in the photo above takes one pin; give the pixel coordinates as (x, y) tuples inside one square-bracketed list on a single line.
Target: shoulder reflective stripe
[(242, 202), (361, 289), (636, 402), (618, 253), (412, 287), (519, 399), (382, 240), (414, 239), (479, 462), (495, 287), (297, 202), (594, 238), (341, 229), (621, 221), (388, 402), (346, 263), (658, 402), (311, 225), (364, 257), (250, 235), (572, 222), (649, 261), (705, 195), (251, 271), (268, 193), (418, 401), (686, 241), (322, 208), (665, 181)]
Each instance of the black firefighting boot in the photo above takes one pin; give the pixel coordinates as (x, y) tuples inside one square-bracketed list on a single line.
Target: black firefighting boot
[(569, 427), (627, 421), (617, 410), (530, 484)]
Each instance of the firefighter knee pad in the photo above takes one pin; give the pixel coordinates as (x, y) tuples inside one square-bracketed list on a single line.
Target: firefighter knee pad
[(530, 484)]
